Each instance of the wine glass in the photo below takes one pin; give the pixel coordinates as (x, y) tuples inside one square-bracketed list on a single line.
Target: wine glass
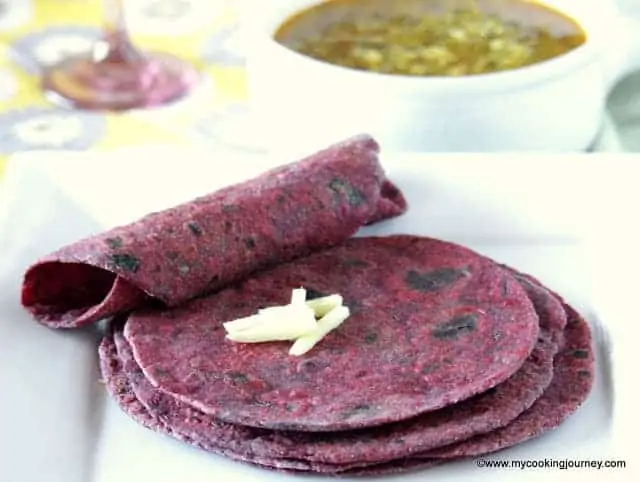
[(115, 75)]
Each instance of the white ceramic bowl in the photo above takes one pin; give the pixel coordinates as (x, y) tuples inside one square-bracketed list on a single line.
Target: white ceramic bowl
[(555, 105)]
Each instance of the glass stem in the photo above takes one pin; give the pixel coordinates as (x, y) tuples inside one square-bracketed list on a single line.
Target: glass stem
[(116, 45)]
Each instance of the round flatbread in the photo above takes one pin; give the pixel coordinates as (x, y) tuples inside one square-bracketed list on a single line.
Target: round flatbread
[(431, 324), (480, 414)]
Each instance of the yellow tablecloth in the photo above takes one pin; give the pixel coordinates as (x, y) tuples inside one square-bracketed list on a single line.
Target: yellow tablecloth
[(34, 33)]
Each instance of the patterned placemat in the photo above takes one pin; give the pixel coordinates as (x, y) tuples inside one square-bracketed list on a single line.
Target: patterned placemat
[(36, 33)]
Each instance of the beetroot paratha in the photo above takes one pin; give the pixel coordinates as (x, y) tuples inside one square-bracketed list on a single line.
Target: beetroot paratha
[(119, 387), (431, 324), (200, 246), (483, 413)]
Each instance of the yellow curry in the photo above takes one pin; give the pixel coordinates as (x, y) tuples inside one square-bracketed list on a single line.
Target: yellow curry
[(431, 37)]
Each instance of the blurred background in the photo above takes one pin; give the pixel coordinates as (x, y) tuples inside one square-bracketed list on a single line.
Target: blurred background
[(624, 102), (35, 34)]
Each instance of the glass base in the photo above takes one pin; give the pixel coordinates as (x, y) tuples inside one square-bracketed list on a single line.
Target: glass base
[(155, 80)]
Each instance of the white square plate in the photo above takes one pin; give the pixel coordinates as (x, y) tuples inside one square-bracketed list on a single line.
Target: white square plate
[(554, 217)]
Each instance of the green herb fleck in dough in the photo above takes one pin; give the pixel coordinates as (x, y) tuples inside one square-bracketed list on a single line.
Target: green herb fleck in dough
[(254, 400), (370, 338), (159, 372), (237, 377), (175, 334), (124, 262), (580, 354), (354, 263), (505, 287), (311, 365), (249, 243), (210, 376), (404, 360), (584, 374), (452, 329), (429, 367), (573, 321), (230, 208), (195, 229), (281, 199), (173, 255), (358, 410), (114, 243), (432, 281), (341, 187)]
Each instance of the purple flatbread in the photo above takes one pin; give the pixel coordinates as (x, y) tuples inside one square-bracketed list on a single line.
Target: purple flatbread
[(483, 413), (119, 387), (417, 304), (574, 372), (200, 246)]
